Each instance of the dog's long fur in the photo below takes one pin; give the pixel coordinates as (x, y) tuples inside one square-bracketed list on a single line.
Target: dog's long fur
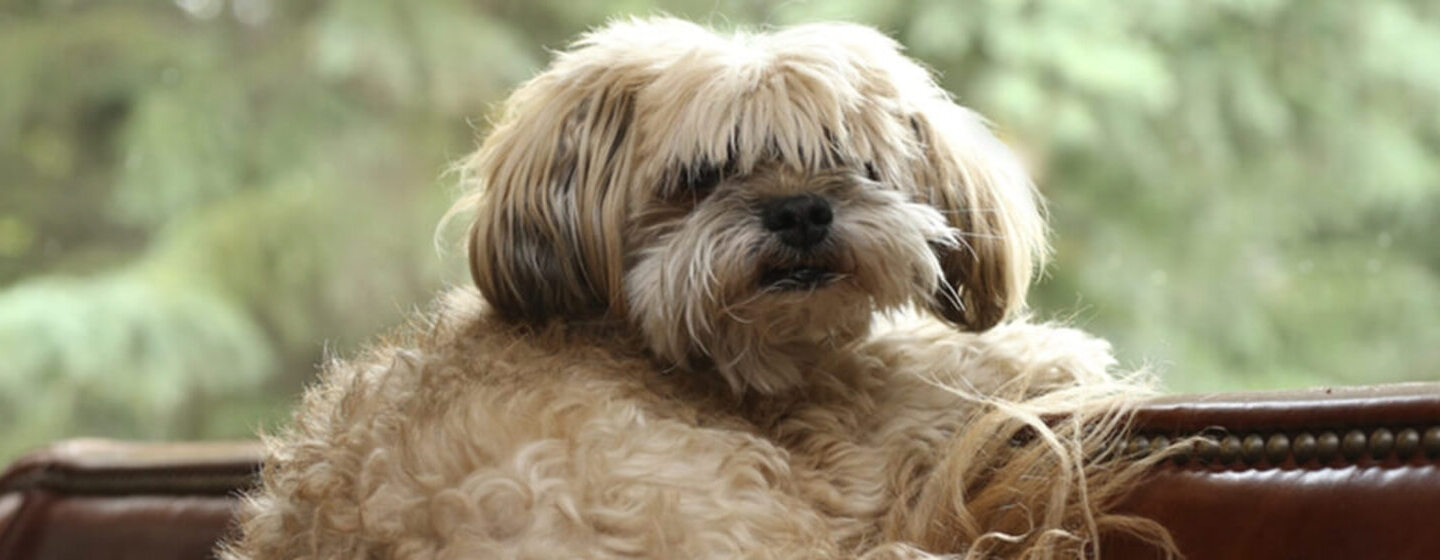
[(645, 371)]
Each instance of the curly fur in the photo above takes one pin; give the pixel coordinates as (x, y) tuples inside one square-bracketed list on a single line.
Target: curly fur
[(631, 380)]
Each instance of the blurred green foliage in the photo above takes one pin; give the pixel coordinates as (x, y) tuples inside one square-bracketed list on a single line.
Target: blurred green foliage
[(200, 198)]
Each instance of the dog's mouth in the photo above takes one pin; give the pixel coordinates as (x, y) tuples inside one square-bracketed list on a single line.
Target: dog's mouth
[(791, 278)]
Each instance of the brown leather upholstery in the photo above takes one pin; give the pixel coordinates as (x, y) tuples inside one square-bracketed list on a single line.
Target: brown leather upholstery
[(1325, 473), (102, 499), (1269, 486)]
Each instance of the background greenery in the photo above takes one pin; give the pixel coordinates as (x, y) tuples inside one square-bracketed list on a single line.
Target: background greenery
[(200, 198)]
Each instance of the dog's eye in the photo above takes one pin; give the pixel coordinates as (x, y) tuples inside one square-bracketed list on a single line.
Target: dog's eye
[(699, 180)]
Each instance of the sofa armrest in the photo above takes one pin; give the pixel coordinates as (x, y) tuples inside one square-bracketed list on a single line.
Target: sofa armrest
[(104, 499), (1321, 473)]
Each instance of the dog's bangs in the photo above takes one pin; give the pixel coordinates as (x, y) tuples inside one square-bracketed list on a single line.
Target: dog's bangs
[(784, 106), (788, 130)]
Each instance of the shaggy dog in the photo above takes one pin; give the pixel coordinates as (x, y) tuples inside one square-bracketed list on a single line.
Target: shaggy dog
[(738, 296)]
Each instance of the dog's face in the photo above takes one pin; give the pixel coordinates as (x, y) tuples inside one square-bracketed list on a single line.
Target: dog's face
[(746, 202)]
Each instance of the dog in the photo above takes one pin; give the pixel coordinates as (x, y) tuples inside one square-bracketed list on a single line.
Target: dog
[(756, 295)]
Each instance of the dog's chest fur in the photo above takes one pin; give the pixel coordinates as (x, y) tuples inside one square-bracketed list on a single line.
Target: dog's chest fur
[(480, 434)]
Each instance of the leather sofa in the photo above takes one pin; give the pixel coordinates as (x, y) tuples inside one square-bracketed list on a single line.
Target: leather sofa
[(1323, 473)]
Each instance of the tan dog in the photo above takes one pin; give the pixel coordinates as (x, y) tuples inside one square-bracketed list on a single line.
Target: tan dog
[(739, 296)]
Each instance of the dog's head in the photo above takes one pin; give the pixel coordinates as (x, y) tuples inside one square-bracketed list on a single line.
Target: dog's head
[(746, 201)]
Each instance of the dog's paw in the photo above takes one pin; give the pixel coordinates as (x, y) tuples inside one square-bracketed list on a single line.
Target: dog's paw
[(1045, 354)]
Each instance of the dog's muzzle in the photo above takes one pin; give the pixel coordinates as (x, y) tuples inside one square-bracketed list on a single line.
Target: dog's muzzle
[(801, 222)]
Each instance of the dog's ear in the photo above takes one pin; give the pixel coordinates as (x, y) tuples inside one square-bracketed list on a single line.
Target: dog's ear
[(982, 188), (546, 241)]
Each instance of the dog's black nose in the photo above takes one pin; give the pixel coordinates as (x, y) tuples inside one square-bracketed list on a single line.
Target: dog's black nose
[(800, 221)]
